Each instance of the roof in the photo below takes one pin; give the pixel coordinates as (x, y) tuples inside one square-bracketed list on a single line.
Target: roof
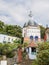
[(30, 23), (32, 44)]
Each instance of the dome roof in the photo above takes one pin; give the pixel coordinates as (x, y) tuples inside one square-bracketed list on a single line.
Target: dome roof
[(30, 23)]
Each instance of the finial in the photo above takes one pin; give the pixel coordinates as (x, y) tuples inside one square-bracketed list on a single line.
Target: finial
[(30, 14)]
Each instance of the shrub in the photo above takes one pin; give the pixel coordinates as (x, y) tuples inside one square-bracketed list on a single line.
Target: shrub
[(43, 54), (7, 49)]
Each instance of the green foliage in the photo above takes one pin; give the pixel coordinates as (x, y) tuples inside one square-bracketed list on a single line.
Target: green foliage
[(34, 62), (17, 41), (1, 46), (12, 30), (1, 26), (43, 54), (10, 54), (42, 31), (25, 44), (7, 49), (24, 55)]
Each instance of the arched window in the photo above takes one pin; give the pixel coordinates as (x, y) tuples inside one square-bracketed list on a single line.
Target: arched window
[(36, 38), (31, 37)]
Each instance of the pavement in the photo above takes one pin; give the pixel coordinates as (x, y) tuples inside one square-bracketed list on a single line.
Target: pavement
[(26, 62)]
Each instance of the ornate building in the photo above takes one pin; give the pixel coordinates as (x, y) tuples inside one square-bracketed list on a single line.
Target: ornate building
[(31, 30), (31, 34)]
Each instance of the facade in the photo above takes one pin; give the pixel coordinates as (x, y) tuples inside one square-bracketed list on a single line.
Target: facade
[(31, 50), (31, 33), (7, 39)]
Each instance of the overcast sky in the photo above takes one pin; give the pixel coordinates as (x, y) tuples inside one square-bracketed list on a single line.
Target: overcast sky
[(16, 11)]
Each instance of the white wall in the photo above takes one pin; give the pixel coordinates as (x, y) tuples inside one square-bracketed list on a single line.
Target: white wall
[(3, 62), (24, 30), (31, 56), (34, 31), (6, 38)]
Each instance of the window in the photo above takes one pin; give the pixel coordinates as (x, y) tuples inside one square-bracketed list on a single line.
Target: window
[(33, 50), (31, 37), (8, 40), (4, 41), (36, 38), (12, 39)]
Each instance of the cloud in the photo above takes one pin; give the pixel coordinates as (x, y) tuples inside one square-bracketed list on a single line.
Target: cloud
[(16, 11)]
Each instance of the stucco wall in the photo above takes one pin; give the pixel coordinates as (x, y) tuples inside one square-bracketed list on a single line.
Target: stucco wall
[(6, 38)]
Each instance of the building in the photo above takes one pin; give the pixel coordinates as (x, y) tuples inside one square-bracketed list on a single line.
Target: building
[(31, 35), (31, 31), (31, 50), (47, 34), (7, 39)]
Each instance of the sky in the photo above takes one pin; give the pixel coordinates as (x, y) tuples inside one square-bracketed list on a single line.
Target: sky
[(16, 12)]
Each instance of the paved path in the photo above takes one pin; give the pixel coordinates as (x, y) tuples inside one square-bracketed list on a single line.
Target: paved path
[(26, 62)]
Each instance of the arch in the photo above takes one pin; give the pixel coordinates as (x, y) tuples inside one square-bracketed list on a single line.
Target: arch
[(36, 38), (31, 37)]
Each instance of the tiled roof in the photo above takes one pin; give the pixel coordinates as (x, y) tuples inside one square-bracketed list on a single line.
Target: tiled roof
[(32, 44)]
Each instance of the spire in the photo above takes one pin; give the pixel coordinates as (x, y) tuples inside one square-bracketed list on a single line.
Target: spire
[(31, 20), (30, 14)]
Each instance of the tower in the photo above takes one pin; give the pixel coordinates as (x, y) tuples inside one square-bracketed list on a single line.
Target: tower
[(31, 30)]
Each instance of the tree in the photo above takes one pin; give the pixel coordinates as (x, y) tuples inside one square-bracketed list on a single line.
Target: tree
[(18, 31), (42, 31), (9, 30), (1, 26), (7, 49), (12, 30), (43, 54)]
